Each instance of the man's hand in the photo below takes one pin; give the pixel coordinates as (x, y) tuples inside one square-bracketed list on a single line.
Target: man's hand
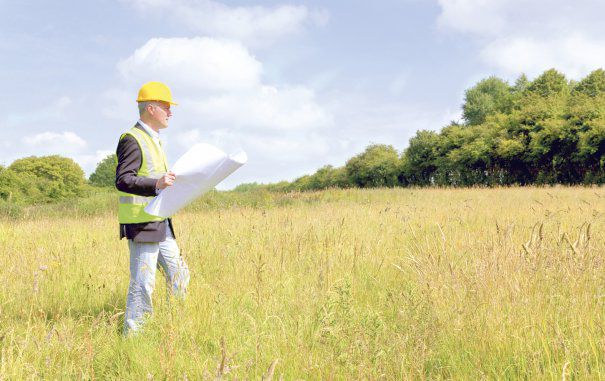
[(165, 181)]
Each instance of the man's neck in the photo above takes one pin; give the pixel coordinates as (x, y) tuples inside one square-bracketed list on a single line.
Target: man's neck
[(150, 124), (154, 134)]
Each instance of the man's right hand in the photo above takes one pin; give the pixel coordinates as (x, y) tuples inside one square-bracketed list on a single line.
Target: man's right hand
[(165, 181)]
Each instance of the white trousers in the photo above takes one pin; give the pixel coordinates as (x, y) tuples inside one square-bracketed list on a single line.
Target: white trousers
[(145, 257)]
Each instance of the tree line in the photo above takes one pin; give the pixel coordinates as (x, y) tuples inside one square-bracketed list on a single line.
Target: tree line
[(547, 131), (44, 179)]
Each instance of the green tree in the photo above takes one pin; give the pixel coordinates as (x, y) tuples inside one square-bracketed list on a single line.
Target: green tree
[(339, 178), (549, 130), (247, 187), (489, 96), (105, 173), (282, 186), (377, 166), (302, 183), (593, 85), (551, 82), (55, 176), (419, 160), (591, 151), (20, 188), (328, 177), (521, 84)]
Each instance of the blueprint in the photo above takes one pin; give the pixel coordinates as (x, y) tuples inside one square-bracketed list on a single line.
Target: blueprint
[(197, 171)]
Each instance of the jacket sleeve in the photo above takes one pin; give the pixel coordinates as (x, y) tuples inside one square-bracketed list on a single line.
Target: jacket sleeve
[(129, 162)]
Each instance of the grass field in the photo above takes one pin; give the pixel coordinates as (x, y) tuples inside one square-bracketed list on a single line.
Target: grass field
[(342, 284)]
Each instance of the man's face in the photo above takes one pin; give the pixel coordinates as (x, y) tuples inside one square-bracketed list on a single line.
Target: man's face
[(160, 113)]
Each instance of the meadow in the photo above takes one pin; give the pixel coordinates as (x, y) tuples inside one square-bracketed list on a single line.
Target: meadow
[(394, 284)]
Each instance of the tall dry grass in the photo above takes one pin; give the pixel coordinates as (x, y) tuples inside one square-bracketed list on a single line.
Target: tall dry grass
[(341, 284)]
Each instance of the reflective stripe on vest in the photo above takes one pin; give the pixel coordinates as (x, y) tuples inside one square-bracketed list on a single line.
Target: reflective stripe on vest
[(135, 199), (153, 165)]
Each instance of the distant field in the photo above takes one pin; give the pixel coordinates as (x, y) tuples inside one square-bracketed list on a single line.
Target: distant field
[(340, 284)]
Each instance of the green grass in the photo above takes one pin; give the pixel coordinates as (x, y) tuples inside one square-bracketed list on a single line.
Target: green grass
[(340, 284)]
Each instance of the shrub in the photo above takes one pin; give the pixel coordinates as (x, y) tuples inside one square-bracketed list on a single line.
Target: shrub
[(54, 177), (105, 174)]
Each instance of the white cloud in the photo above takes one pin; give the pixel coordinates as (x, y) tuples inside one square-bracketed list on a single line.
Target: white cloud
[(271, 148), (358, 121), (287, 130), (224, 100), (119, 103), (574, 55), (253, 25), (217, 83), (67, 144), (143, 5), (200, 63), (53, 142), (488, 18), (89, 161), (265, 108), (51, 112), (474, 16), (531, 35), (60, 126), (62, 103)]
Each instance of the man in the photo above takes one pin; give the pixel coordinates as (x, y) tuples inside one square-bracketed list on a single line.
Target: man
[(142, 173)]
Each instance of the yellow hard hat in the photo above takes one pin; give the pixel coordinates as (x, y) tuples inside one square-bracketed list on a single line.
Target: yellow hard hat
[(155, 91)]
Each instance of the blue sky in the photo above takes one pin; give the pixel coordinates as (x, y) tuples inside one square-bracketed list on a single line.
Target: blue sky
[(297, 85)]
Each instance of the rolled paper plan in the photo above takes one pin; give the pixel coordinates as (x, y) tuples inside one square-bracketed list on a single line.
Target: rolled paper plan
[(197, 171)]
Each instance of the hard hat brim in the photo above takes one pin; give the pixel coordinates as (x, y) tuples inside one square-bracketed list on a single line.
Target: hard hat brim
[(157, 100)]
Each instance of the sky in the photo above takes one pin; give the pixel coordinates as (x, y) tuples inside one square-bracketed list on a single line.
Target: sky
[(297, 85)]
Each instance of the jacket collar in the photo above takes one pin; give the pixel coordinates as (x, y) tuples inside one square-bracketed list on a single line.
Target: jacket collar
[(141, 125)]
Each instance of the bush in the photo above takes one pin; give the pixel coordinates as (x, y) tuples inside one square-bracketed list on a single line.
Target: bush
[(378, 166), (105, 174), (10, 210), (46, 178), (19, 188), (247, 187)]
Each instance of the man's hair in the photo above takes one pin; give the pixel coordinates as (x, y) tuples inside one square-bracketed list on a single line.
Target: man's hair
[(143, 106)]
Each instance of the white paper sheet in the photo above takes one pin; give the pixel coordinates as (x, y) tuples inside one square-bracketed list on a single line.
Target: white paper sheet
[(197, 171)]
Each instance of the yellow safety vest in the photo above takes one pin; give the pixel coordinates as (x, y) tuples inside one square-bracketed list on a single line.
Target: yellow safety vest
[(153, 164)]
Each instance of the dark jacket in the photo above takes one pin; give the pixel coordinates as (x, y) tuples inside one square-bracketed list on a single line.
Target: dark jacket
[(129, 163)]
